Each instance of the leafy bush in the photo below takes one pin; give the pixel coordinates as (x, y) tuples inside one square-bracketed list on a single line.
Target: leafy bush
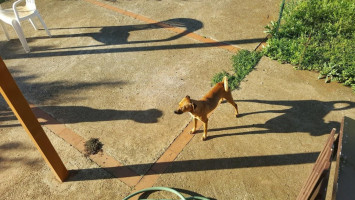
[(243, 62), (317, 35)]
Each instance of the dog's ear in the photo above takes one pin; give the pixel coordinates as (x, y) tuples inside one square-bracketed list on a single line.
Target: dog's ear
[(187, 97)]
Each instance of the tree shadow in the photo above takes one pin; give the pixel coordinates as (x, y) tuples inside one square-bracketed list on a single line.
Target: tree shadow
[(41, 92), (6, 115), (78, 114), (6, 161), (301, 116)]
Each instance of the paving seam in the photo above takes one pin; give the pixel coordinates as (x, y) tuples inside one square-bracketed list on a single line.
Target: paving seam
[(174, 29)]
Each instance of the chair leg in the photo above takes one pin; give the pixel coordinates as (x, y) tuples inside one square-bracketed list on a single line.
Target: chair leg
[(3, 28), (43, 24), (33, 24), (20, 35)]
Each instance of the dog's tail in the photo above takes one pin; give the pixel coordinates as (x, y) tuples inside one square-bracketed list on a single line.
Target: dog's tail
[(225, 81)]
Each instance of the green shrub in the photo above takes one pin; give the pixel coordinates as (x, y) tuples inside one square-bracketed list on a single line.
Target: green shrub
[(243, 62), (317, 35)]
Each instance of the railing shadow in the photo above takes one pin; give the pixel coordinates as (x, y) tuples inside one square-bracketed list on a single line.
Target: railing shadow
[(113, 35), (7, 56), (119, 35), (199, 165), (301, 116), (78, 114)]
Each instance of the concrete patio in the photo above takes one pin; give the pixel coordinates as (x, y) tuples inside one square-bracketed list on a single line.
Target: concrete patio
[(116, 77)]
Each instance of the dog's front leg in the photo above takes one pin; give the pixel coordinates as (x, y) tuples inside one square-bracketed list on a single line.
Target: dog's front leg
[(205, 123), (195, 124)]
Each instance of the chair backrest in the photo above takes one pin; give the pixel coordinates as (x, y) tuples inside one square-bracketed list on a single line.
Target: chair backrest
[(316, 184)]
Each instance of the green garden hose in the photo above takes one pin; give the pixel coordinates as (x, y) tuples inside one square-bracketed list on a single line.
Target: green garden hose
[(280, 15), (165, 189)]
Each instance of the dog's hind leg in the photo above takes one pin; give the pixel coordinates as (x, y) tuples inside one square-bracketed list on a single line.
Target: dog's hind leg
[(229, 98)]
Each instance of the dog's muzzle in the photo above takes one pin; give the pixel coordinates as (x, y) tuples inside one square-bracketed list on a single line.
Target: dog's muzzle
[(178, 112)]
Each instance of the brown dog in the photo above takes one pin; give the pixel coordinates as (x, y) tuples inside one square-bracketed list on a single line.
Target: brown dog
[(200, 109)]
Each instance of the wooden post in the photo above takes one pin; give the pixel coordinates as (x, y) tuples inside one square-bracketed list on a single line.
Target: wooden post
[(29, 122)]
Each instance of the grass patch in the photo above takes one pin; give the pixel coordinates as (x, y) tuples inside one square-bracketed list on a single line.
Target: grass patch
[(243, 63), (317, 35), (93, 146)]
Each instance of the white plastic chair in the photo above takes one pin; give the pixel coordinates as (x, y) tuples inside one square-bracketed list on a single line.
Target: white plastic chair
[(16, 14)]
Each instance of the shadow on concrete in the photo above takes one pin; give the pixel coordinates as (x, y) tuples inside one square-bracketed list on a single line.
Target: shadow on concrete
[(78, 114), (6, 115), (118, 35), (40, 92), (125, 49), (202, 165), (113, 35), (8, 162), (13, 46), (301, 116)]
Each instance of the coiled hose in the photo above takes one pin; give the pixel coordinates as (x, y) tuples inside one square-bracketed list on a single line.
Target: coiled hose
[(168, 190)]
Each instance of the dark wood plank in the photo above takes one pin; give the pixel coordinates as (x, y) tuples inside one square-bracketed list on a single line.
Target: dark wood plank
[(317, 181)]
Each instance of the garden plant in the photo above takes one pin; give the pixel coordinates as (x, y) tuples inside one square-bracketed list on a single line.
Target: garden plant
[(316, 35)]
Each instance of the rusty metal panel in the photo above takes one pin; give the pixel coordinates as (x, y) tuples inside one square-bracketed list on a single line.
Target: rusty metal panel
[(345, 171)]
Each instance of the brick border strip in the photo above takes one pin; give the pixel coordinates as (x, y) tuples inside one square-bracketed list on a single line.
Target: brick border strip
[(175, 148), (151, 177), (174, 29)]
